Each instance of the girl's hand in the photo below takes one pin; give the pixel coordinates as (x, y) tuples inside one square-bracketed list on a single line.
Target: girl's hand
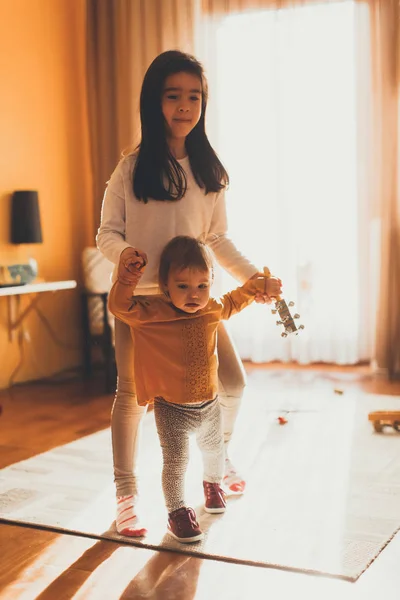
[(273, 288), (131, 264)]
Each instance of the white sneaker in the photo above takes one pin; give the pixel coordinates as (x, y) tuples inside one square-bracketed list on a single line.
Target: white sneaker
[(127, 521), (232, 480)]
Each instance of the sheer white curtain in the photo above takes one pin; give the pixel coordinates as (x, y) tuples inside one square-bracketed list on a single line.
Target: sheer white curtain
[(288, 96)]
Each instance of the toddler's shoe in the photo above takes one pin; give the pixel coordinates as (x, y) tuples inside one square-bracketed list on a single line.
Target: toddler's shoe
[(183, 525), (214, 498)]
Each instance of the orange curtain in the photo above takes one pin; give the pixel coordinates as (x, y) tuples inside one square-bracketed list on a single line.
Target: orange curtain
[(385, 30), (123, 37)]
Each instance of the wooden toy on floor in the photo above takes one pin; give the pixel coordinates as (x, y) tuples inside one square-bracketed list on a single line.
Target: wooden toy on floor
[(385, 418)]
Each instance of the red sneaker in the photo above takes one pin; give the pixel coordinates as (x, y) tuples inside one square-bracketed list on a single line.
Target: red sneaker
[(214, 498), (183, 525)]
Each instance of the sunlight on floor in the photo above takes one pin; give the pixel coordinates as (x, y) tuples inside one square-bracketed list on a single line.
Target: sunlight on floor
[(117, 573), (49, 565)]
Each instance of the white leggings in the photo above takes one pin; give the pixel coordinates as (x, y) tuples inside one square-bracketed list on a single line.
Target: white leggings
[(127, 414)]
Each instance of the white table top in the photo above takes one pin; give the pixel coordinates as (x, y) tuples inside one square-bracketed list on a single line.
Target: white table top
[(33, 288)]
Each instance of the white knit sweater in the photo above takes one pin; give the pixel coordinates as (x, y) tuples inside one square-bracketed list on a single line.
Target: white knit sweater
[(125, 222)]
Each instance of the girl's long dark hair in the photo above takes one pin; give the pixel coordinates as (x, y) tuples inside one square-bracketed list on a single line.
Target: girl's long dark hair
[(157, 174)]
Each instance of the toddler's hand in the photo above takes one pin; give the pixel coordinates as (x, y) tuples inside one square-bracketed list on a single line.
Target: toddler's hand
[(131, 266)]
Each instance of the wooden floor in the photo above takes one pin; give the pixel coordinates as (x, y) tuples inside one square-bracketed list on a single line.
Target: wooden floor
[(41, 564)]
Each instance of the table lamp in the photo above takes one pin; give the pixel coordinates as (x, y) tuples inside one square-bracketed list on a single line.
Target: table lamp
[(25, 229)]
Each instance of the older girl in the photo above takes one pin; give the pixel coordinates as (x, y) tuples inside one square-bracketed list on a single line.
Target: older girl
[(172, 184)]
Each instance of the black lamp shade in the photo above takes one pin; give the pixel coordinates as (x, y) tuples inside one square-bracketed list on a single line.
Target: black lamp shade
[(25, 218)]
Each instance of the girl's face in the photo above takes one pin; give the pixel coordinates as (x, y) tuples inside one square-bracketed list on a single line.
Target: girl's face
[(189, 289), (181, 104)]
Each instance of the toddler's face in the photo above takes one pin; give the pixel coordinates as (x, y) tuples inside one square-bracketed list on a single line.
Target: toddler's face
[(189, 289)]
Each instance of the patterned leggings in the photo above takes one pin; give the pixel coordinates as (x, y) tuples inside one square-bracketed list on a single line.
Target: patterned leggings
[(174, 424)]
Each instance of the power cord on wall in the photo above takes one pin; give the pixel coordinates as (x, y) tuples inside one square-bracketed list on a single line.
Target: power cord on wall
[(21, 356), (52, 333), (56, 340)]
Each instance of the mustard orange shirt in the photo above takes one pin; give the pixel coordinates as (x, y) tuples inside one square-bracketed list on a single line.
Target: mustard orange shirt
[(175, 352)]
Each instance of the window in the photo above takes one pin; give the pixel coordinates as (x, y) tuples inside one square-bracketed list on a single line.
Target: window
[(284, 121)]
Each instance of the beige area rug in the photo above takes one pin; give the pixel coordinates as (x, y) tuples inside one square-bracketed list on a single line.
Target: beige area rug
[(323, 492)]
